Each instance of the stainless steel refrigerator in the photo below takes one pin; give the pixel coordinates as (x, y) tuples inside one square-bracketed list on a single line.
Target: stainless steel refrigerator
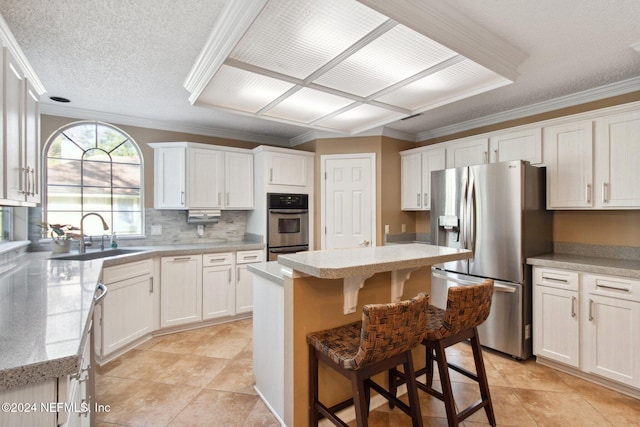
[(498, 211)]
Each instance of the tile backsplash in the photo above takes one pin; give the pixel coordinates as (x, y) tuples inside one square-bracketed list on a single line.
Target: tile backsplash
[(231, 226)]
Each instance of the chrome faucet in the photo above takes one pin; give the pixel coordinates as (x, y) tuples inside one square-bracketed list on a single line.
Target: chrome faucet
[(82, 249)]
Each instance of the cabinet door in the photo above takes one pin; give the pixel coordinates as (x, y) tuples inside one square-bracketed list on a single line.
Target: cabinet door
[(411, 181), (617, 159), (432, 160), (520, 145), (238, 172), (286, 169), (180, 290), (169, 175), (15, 176), (467, 153), (556, 330), (218, 292), (205, 179), (32, 145), (127, 312), (568, 154), (244, 289), (613, 339)]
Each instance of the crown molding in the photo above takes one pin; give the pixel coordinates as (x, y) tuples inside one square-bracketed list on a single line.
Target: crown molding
[(78, 113), (233, 22), (606, 91), (11, 43)]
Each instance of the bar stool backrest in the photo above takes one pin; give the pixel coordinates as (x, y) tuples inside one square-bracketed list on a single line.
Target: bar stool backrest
[(467, 307), (391, 329)]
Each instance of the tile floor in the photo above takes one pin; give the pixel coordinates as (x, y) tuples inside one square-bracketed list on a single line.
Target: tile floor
[(203, 377)]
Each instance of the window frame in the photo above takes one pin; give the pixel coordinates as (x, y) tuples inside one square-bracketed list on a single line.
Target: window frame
[(45, 194)]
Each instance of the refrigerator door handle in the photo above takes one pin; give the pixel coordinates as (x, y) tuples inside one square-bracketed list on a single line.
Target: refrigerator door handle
[(463, 211), (471, 214)]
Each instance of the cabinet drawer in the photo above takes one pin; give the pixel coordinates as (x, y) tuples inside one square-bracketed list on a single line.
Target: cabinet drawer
[(126, 271), (222, 258), (613, 286), (561, 279), (246, 257)]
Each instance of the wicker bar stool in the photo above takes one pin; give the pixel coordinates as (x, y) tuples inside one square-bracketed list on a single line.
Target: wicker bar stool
[(467, 308), (382, 340)]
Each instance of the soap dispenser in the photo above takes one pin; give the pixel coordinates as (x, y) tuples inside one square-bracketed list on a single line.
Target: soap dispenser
[(114, 242)]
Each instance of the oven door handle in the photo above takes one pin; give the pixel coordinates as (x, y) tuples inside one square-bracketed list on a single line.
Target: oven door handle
[(288, 211)]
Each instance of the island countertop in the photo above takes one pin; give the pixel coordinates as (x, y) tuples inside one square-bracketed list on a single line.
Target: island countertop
[(341, 263)]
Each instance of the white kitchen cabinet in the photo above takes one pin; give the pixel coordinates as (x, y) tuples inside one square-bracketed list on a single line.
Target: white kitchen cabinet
[(127, 312), (556, 333), (590, 322), (468, 152), (286, 169), (617, 159), (238, 179), (200, 176), (218, 285), (416, 168), (612, 328), (244, 279), (525, 144), (568, 155), (205, 178), (180, 290), (21, 121)]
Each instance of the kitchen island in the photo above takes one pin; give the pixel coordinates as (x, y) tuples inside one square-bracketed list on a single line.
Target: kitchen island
[(317, 290)]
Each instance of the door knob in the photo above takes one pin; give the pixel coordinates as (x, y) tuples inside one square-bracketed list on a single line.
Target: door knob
[(365, 243)]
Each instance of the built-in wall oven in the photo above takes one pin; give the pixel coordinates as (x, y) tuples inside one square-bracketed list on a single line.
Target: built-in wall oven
[(287, 224)]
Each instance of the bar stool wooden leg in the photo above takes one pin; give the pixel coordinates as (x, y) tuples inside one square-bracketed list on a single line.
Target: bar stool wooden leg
[(360, 403), (445, 382), (412, 391), (482, 377)]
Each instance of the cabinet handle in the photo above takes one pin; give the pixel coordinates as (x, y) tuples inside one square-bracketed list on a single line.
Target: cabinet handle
[(485, 156), (33, 182), (573, 306), (238, 274), (590, 310), (150, 285), (250, 257), (552, 279), (588, 193), (613, 288), (184, 258), (229, 275), (425, 200), (227, 199), (216, 260), (219, 194), (495, 152), (418, 199), (182, 197), (605, 192), (270, 174)]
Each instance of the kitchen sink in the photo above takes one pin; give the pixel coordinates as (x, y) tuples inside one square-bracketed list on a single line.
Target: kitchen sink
[(96, 254)]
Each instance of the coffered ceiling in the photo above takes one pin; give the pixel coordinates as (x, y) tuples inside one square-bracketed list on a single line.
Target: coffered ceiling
[(270, 71)]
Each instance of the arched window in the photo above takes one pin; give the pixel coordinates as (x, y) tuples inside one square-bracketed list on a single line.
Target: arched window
[(94, 167)]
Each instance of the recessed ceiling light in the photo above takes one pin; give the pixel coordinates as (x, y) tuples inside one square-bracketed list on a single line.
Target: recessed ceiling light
[(58, 99)]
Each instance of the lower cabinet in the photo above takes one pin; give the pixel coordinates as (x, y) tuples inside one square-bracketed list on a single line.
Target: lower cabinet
[(127, 312), (218, 285), (590, 322), (180, 290), (244, 279)]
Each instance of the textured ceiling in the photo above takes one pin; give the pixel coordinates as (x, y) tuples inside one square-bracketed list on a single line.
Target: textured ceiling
[(127, 60)]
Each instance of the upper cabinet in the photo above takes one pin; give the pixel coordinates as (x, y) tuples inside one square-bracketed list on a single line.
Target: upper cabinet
[(519, 145), (568, 154), (417, 166), (199, 176), (20, 126), (467, 152), (593, 164)]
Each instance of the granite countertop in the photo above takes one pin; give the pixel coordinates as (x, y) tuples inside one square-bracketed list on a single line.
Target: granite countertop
[(46, 306), (340, 263), (271, 270), (589, 264)]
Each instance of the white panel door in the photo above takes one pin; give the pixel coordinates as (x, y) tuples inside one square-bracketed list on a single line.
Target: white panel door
[(568, 154), (348, 216), (206, 178), (432, 160), (617, 159), (468, 153), (238, 173), (411, 185), (218, 292), (519, 145)]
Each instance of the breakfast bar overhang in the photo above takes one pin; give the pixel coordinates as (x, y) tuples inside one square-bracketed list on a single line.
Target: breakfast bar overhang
[(316, 290)]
